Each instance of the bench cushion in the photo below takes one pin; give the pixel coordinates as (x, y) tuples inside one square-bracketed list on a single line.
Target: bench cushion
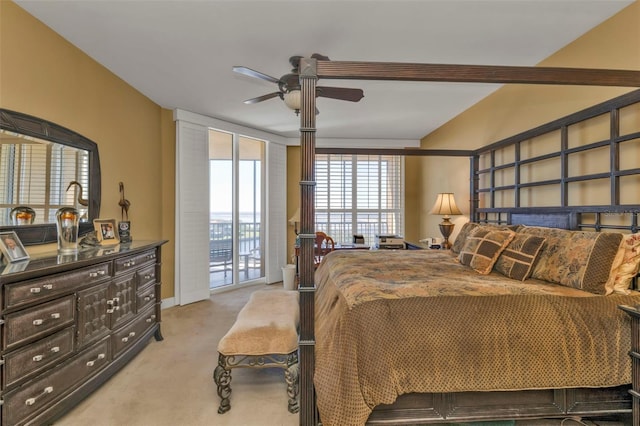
[(267, 324)]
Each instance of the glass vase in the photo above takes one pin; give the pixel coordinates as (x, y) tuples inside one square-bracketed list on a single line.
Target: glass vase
[(67, 225), (22, 215)]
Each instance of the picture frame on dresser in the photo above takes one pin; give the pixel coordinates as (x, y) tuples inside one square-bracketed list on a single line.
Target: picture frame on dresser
[(12, 248), (106, 231)]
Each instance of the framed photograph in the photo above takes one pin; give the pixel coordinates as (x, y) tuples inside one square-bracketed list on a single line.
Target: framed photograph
[(12, 247), (106, 231)]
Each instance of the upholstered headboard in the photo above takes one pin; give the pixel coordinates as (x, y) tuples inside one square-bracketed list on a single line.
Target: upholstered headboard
[(567, 220)]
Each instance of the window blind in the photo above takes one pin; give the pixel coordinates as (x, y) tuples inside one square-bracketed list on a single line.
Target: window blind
[(359, 194), (22, 181)]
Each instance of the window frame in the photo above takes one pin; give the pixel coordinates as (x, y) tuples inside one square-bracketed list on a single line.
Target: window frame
[(351, 206)]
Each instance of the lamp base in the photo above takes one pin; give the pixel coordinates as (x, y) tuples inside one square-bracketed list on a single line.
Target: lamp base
[(446, 228)]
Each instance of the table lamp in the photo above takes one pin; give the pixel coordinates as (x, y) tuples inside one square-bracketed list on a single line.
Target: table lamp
[(294, 220), (445, 205)]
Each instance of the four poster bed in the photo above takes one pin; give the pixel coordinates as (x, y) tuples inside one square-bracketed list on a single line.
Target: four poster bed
[(519, 321)]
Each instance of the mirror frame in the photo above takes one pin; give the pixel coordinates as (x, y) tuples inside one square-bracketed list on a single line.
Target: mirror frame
[(38, 128)]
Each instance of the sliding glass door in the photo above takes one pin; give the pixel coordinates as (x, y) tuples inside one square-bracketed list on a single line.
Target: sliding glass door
[(236, 218)]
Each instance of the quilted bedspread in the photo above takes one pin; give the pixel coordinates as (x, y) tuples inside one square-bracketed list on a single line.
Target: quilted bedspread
[(395, 322)]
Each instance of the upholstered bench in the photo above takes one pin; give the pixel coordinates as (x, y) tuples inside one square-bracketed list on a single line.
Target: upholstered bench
[(264, 335)]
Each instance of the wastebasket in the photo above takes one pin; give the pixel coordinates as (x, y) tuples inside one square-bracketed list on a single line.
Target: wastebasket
[(289, 277)]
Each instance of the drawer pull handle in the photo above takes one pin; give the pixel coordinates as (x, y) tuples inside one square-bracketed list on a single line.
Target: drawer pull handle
[(48, 286), (151, 256), (92, 362), (151, 318), (147, 298), (31, 401), (38, 358), (148, 276), (112, 305), (35, 290), (132, 334), (55, 315), (96, 273), (130, 263), (37, 322), (55, 349)]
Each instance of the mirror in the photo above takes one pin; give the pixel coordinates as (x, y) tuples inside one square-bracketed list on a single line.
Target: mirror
[(44, 166)]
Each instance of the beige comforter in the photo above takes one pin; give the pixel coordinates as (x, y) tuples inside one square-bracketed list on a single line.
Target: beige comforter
[(395, 322)]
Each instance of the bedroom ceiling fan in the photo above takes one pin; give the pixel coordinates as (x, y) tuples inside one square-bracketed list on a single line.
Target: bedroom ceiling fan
[(289, 86)]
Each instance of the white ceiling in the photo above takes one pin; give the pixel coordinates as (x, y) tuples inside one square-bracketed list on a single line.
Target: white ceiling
[(180, 53)]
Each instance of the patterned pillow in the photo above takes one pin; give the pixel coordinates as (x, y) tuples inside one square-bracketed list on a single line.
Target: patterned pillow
[(469, 227), (482, 248), (578, 259), (517, 259), (625, 265)]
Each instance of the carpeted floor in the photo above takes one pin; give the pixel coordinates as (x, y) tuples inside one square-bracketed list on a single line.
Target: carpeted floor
[(170, 382)]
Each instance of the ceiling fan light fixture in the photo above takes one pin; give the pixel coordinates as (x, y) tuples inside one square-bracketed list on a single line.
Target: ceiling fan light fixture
[(292, 99)]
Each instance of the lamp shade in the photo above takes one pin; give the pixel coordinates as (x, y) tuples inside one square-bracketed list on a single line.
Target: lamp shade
[(445, 205), (295, 218), (292, 99)]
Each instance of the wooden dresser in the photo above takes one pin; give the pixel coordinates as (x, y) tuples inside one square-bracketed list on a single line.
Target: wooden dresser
[(69, 322)]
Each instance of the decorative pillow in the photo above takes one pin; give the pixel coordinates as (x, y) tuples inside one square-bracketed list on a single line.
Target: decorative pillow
[(578, 259), (469, 227), (466, 229), (625, 265), (482, 248), (517, 259)]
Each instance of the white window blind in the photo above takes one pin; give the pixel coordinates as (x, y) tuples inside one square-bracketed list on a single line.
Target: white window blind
[(23, 183), (359, 194)]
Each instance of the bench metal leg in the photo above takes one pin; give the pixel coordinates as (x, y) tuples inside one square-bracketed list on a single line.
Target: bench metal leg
[(289, 363), (222, 377), (292, 377)]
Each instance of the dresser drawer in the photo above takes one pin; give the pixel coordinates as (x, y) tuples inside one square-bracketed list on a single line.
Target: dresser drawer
[(37, 356), (32, 323), (19, 294), (129, 263), (146, 276), (29, 399), (146, 297), (132, 332)]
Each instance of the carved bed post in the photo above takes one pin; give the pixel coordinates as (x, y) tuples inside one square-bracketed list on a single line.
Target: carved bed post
[(308, 79)]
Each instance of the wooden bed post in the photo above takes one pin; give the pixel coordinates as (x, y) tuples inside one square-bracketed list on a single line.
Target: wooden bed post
[(308, 79)]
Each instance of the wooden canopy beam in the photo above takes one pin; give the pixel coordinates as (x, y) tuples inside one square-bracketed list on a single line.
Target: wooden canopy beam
[(397, 71), (398, 151)]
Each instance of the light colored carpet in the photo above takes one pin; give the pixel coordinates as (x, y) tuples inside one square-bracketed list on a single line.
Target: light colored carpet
[(170, 382)]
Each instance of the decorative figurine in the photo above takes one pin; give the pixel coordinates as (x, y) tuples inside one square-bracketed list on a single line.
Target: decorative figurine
[(81, 201), (124, 227)]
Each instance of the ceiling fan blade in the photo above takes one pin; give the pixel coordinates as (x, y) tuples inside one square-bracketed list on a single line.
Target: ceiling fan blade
[(342, 93), (256, 74), (263, 98)]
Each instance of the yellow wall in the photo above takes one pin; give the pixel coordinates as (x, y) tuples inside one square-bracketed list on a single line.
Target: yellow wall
[(43, 75), (515, 108)]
